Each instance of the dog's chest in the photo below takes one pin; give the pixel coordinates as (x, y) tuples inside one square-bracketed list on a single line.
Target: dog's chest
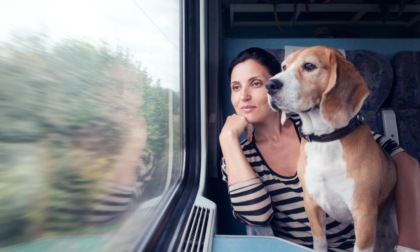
[(326, 179)]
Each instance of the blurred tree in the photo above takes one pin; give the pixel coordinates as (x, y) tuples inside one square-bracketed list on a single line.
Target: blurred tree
[(155, 110), (66, 110)]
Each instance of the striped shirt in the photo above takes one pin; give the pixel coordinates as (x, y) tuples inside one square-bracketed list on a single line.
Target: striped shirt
[(276, 200)]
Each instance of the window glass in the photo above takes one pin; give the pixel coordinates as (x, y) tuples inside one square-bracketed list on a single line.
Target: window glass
[(90, 121)]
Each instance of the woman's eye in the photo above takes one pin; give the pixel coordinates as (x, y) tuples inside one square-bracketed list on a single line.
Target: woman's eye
[(256, 83), (236, 87), (309, 66)]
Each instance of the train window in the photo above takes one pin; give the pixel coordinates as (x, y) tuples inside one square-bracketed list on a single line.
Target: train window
[(90, 132)]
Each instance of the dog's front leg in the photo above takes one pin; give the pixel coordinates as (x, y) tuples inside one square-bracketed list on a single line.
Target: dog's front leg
[(316, 218), (365, 220)]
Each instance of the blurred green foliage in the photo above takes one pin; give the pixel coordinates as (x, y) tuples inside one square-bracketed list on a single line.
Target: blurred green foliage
[(63, 110)]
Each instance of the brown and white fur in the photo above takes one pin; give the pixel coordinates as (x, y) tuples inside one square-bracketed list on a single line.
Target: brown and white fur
[(350, 178)]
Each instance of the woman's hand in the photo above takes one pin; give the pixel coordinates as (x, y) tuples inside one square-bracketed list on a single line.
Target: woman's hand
[(234, 126)]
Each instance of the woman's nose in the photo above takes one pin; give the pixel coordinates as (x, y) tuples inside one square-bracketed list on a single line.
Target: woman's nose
[(245, 95)]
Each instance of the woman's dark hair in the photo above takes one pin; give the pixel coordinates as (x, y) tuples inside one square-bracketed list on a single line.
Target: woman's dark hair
[(263, 57)]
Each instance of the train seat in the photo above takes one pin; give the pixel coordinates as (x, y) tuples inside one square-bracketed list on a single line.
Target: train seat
[(378, 74), (405, 99)]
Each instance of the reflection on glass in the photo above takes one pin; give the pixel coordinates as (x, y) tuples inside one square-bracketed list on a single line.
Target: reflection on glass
[(90, 131)]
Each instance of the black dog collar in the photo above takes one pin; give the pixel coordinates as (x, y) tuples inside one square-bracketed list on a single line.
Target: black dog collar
[(337, 134)]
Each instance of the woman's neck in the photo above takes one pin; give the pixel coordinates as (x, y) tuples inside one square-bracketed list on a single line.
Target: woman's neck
[(269, 130)]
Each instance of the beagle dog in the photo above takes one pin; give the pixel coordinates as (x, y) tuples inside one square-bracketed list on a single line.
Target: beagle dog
[(343, 171)]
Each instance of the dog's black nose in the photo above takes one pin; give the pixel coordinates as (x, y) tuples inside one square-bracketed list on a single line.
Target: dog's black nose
[(273, 86)]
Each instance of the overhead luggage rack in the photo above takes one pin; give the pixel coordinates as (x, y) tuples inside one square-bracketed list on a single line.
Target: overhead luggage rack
[(266, 14)]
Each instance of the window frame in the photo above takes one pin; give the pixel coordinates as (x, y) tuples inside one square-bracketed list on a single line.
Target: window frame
[(170, 227)]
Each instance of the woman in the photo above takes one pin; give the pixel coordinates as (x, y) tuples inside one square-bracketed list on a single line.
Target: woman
[(261, 173)]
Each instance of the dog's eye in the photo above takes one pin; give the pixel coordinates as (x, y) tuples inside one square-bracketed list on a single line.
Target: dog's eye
[(309, 66), (283, 67)]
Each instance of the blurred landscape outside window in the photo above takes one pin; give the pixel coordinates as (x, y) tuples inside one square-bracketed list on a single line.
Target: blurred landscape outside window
[(90, 122)]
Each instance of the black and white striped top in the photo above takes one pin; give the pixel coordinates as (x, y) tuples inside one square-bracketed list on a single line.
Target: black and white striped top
[(275, 200)]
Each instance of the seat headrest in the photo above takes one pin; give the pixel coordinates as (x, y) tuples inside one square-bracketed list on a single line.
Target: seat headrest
[(378, 75), (406, 93)]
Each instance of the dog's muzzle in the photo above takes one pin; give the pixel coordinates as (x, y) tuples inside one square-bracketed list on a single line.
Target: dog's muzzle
[(273, 86)]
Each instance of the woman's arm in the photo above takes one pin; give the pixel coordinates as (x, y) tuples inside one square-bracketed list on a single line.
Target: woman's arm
[(407, 197), (237, 167), (407, 193), (250, 200)]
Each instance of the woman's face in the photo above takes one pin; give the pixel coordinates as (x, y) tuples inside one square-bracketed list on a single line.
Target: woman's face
[(248, 91)]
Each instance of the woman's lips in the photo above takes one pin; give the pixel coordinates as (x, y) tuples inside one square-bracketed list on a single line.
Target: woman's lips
[(247, 109)]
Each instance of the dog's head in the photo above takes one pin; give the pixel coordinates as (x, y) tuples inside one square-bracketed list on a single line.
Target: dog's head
[(318, 77)]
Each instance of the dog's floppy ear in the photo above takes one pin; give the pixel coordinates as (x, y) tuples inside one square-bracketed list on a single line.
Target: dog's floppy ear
[(345, 93)]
